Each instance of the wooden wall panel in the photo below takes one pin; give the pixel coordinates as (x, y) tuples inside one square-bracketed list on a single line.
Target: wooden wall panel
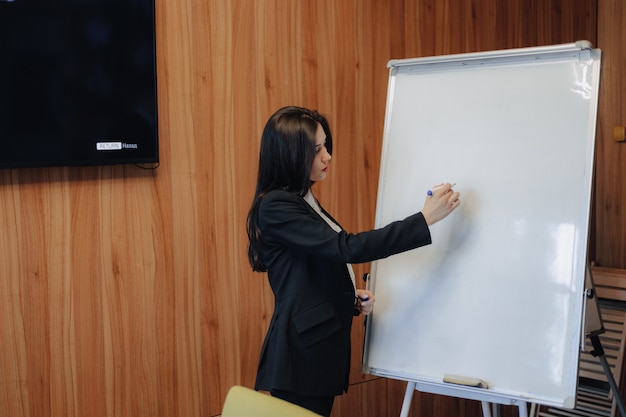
[(126, 292), (610, 184), (609, 227)]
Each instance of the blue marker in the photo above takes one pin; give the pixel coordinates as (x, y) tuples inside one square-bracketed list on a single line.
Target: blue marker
[(435, 188)]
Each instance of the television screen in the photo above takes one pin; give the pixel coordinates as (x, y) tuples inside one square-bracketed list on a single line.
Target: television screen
[(77, 82)]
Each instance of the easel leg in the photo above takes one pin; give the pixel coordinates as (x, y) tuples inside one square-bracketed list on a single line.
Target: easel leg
[(598, 352), (486, 408), (408, 396), (523, 409)]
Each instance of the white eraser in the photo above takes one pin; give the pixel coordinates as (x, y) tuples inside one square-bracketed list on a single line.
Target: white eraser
[(464, 380)]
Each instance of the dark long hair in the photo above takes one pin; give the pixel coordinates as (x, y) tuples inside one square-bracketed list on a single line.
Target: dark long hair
[(285, 161)]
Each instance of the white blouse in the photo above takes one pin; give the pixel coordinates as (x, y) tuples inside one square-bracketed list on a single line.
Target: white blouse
[(309, 198)]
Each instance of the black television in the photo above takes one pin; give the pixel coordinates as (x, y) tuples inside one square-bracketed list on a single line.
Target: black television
[(77, 83)]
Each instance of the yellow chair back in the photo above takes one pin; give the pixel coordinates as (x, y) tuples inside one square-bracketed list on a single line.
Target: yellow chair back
[(245, 402)]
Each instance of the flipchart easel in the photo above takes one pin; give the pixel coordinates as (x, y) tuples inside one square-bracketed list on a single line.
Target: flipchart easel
[(511, 113)]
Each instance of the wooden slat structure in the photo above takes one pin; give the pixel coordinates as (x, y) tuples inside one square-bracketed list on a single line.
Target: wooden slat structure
[(610, 283)]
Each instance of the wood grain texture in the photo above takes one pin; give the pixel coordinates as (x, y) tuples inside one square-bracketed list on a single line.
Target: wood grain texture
[(126, 292), (610, 184)]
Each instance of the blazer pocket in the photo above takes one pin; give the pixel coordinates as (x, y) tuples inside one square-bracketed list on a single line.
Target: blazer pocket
[(316, 324)]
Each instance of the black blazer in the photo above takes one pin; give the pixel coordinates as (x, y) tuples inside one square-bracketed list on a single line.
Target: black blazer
[(307, 346)]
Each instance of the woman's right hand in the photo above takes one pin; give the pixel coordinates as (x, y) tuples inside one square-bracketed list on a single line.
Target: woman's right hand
[(443, 201)]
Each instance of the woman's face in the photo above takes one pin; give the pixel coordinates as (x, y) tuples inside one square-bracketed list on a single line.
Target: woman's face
[(322, 157)]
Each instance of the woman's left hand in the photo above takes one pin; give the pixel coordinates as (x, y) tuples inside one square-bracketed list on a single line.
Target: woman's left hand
[(365, 301)]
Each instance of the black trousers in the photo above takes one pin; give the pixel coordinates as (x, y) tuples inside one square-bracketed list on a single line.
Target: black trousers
[(319, 405)]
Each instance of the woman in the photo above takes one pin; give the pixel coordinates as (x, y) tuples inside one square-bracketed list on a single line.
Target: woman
[(306, 354)]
